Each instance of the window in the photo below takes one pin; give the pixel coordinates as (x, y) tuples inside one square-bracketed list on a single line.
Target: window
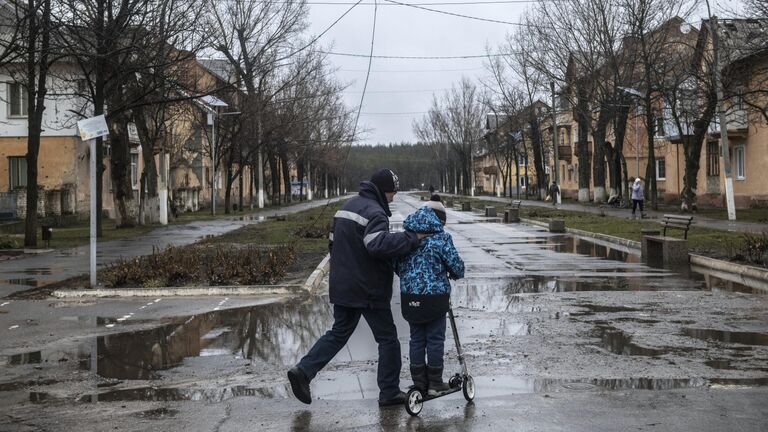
[(522, 182), (522, 160), (660, 127), (17, 100), (713, 159), (661, 169), (18, 171), (738, 162), (562, 176), (135, 170)]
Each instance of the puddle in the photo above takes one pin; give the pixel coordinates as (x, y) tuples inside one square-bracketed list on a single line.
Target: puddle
[(618, 342), (725, 336), (275, 333), (31, 282), (357, 386), (719, 364), (593, 309)]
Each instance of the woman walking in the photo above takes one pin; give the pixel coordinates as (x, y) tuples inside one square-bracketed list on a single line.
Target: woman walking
[(638, 196)]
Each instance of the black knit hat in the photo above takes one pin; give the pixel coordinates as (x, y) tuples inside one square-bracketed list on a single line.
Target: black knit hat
[(386, 180)]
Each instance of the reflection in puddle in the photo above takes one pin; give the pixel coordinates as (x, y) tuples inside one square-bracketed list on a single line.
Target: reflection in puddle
[(739, 337), (355, 387), (618, 342), (275, 333)]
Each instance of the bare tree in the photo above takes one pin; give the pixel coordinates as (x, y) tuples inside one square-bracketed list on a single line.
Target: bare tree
[(28, 49), (456, 119)]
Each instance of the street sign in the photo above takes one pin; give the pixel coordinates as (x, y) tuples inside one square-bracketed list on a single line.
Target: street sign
[(93, 128), (90, 129)]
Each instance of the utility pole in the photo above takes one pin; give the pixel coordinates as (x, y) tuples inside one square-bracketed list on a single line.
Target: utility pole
[(722, 119), (556, 162)]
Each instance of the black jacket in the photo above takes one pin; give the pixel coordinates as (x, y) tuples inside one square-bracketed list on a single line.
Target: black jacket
[(362, 249)]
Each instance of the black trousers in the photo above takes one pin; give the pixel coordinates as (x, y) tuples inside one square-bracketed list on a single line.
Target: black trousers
[(384, 331), (635, 203)]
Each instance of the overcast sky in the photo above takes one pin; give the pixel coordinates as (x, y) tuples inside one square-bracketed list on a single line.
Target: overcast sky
[(406, 86), (400, 90)]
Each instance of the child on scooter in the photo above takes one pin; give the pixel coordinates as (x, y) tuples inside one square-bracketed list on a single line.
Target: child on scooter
[(425, 292)]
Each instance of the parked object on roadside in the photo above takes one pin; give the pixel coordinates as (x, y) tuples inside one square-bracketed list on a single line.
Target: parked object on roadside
[(361, 276), (638, 196)]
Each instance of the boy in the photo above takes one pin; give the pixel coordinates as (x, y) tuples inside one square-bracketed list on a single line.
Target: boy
[(425, 293)]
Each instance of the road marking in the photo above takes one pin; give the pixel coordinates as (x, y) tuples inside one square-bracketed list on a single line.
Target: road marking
[(13, 327), (6, 303), (109, 325)]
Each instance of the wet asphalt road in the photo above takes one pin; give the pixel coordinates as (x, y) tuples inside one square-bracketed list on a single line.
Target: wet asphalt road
[(560, 334)]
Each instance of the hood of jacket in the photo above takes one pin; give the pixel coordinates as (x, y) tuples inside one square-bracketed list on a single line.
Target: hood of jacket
[(370, 191), (423, 220)]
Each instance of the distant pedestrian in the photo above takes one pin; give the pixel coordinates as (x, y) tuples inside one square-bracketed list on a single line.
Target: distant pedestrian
[(425, 292), (638, 196), (362, 250), (431, 190), (554, 193)]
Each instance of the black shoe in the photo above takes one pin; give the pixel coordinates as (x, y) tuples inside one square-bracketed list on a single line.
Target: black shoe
[(300, 385), (419, 377), (436, 384), (397, 400)]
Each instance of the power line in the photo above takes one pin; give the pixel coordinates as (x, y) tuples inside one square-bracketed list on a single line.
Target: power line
[(458, 15), (411, 70), (391, 57), (443, 3), (370, 62), (315, 39), (402, 91), (394, 113)]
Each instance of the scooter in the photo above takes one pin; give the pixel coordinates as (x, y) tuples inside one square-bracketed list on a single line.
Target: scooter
[(414, 399)]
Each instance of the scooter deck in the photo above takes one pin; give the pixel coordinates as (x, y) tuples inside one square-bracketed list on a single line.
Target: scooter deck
[(427, 397)]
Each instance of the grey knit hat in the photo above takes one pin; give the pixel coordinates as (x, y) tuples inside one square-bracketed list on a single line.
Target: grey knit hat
[(436, 204)]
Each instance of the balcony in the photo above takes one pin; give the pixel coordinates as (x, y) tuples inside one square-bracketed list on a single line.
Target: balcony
[(737, 121), (564, 152)]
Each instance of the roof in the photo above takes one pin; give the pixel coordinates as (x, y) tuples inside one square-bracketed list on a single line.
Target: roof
[(742, 38), (219, 67)]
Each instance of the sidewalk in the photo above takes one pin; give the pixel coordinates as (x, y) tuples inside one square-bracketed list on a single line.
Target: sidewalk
[(701, 221), (43, 269)]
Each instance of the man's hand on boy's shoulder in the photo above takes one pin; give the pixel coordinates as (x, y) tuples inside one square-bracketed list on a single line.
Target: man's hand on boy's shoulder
[(422, 235)]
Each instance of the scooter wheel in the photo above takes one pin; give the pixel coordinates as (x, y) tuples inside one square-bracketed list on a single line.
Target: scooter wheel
[(414, 401), (468, 388), (455, 381)]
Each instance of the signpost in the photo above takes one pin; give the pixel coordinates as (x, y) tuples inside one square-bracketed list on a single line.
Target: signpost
[(90, 130)]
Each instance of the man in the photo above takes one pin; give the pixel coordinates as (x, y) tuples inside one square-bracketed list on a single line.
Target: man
[(361, 285), (554, 192)]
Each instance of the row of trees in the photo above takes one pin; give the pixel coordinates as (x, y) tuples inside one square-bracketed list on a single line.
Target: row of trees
[(610, 62), (135, 61)]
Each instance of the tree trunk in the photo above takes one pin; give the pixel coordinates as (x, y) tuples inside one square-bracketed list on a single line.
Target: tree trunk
[(692, 150), (583, 121), (615, 162), (37, 74), (274, 173), (228, 191), (538, 157), (286, 178), (120, 164), (598, 135), (650, 168)]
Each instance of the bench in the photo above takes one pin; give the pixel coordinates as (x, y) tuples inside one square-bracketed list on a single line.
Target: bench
[(683, 223), (667, 252), (515, 204)]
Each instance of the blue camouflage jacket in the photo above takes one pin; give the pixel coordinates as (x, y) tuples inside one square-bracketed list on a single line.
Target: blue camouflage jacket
[(424, 273)]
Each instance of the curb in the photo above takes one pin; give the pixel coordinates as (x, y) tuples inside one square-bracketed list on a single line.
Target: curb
[(739, 273), (249, 290), (604, 237), (317, 276)]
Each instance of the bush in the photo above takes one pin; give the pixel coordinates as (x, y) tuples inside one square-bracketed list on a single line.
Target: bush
[(313, 231), (755, 248), (202, 265), (7, 242)]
